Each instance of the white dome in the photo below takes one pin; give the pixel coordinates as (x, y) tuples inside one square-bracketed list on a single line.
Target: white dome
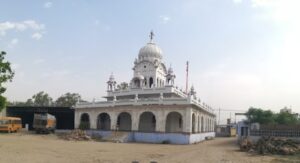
[(111, 77), (170, 71), (150, 52)]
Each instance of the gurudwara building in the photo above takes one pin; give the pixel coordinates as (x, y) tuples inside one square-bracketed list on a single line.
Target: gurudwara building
[(148, 109)]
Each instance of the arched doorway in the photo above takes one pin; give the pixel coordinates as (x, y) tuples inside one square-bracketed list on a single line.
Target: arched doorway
[(84, 121), (147, 122), (145, 82), (124, 121), (137, 83), (103, 121), (193, 123), (150, 82), (174, 122)]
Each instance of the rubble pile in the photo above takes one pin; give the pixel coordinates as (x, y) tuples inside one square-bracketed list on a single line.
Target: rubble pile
[(272, 145), (246, 145), (77, 135)]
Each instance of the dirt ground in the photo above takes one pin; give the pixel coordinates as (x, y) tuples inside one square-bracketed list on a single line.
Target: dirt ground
[(29, 148)]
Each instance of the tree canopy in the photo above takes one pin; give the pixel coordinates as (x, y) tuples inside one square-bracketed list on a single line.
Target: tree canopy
[(43, 99), (40, 99), (286, 118), (68, 99), (257, 115), (6, 74)]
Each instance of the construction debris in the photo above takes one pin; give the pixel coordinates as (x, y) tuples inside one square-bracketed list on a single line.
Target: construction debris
[(272, 145), (77, 135), (246, 145)]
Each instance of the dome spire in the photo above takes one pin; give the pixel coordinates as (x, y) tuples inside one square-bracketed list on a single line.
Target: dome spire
[(151, 36)]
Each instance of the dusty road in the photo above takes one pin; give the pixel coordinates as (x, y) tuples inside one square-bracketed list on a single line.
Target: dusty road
[(29, 148)]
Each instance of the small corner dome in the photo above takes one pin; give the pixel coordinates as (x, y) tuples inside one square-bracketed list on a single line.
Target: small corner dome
[(111, 77), (170, 70), (150, 52)]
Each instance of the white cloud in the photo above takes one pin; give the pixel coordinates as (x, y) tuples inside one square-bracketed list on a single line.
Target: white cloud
[(48, 5), (34, 25), (20, 26), (6, 26), (165, 19), (279, 11), (237, 1), (37, 36)]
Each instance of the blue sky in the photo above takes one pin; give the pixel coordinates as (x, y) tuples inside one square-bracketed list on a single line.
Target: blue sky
[(242, 52)]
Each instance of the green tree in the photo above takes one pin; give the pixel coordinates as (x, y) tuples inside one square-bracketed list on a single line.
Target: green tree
[(40, 99), (286, 118), (260, 116), (6, 74), (68, 99)]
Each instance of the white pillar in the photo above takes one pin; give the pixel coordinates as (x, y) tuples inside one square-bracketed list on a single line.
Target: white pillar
[(93, 119), (77, 119), (160, 121), (187, 121), (113, 120), (135, 116)]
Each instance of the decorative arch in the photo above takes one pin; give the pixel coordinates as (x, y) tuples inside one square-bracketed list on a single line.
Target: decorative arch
[(147, 122), (103, 121), (84, 121), (124, 122), (174, 122)]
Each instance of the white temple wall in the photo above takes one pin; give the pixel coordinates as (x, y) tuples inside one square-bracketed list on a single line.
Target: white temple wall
[(160, 113)]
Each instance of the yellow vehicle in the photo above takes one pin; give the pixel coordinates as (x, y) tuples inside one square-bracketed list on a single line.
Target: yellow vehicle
[(10, 124)]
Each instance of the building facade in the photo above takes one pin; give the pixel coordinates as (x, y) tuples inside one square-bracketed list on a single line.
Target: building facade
[(149, 108)]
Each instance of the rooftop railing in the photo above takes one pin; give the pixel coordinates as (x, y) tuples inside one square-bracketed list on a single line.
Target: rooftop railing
[(145, 101)]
